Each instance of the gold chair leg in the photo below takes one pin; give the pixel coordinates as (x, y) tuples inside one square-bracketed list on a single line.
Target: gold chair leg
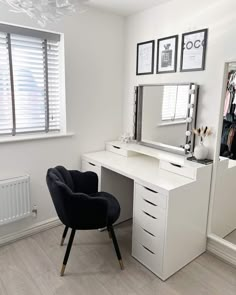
[(121, 264), (62, 241), (109, 234), (63, 270), (72, 235), (113, 236)]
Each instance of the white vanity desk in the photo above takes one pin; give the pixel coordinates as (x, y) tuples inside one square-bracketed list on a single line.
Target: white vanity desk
[(168, 203)]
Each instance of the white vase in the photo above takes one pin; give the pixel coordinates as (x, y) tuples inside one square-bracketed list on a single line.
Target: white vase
[(200, 151)]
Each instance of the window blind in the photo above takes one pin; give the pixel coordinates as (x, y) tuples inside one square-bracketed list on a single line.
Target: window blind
[(53, 85), (29, 84), (5, 88), (175, 100)]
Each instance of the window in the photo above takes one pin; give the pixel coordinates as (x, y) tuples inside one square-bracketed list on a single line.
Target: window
[(29, 81), (175, 100)]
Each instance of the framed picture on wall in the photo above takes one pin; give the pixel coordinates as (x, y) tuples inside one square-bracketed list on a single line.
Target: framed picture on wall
[(193, 51), (145, 58), (167, 49)]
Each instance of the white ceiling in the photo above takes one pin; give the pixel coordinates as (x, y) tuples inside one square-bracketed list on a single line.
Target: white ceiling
[(125, 7)]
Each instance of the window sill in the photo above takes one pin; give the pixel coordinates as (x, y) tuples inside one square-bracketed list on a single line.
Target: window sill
[(171, 123), (32, 137)]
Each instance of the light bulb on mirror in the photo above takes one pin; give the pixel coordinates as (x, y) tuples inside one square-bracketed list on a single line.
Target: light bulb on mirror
[(189, 120), (191, 106), (187, 147), (188, 133), (191, 91)]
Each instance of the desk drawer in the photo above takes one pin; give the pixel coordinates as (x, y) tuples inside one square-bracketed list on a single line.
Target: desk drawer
[(90, 166), (150, 195), (118, 149), (188, 172), (146, 204), (152, 224), (142, 236), (148, 258)]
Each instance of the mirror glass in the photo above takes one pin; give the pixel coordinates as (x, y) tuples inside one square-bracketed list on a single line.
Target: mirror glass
[(166, 112), (224, 206)]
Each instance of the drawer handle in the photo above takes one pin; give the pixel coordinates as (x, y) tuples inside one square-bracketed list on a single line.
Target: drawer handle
[(147, 188), (149, 215), (176, 165), (91, 164), (148, 250), (150, 203), (116, 147), (148, 232)]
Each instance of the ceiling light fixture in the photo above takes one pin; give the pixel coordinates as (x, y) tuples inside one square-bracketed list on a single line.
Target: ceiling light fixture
[(45, 11)]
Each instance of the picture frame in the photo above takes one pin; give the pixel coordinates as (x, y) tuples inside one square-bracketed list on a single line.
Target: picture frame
[(193, 51), (167, 54), (145, 58)]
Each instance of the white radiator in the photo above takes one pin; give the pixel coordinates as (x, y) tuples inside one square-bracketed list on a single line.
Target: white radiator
[(15, 201)]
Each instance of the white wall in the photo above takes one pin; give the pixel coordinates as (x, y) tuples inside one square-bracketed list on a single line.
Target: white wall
[(177, 17), (94, 80)]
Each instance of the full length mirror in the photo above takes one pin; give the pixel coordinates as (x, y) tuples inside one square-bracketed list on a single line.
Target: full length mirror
[(223, 222), (166, 116)]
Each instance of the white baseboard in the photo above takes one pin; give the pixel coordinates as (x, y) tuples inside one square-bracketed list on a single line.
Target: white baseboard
[(222, 249), (36, 228)]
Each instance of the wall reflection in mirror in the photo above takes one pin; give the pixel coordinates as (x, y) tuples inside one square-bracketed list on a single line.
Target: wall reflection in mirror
[(164, 111), (224, 206)]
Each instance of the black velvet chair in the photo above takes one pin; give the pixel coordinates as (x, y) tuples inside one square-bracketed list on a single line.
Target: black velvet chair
[(80, 206)]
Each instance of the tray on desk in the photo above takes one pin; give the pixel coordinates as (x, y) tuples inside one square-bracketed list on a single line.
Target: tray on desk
[(204, 162)]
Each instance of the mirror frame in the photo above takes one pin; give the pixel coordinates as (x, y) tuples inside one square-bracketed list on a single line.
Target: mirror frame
[(138, 107), (222, 248)]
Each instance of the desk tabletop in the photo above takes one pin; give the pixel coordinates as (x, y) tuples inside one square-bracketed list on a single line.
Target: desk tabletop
[(140, 168)]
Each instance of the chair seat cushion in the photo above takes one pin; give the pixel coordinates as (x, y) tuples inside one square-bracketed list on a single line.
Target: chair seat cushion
[(113, 206)]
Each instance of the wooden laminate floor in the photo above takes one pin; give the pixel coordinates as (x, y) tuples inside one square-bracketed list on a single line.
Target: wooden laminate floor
[(31, 267)]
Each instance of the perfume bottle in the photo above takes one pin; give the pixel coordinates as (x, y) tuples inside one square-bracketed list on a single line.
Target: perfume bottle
[(166, 56)]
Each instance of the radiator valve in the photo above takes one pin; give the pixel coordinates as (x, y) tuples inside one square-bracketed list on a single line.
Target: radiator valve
[(34, 211)]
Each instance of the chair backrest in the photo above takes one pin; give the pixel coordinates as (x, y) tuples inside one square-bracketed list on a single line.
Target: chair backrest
[(60, 185), (64, 175)]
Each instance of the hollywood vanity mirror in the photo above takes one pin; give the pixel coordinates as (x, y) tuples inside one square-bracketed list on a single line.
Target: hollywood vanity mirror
[(222, 228), (166, 115)]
